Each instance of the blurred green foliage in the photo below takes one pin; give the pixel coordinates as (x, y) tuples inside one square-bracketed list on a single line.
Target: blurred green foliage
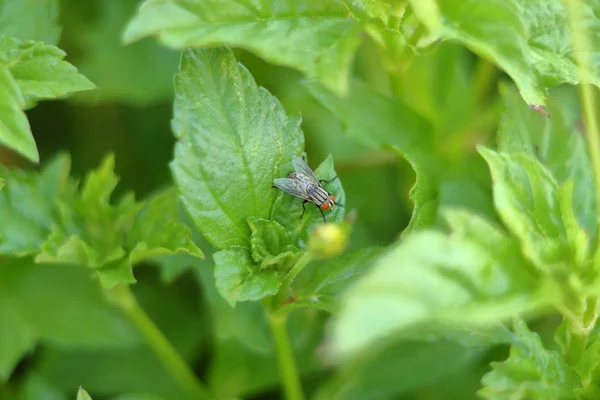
[(151, 213)]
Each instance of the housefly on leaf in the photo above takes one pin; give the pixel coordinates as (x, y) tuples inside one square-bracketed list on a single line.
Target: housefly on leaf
[(304, 184)]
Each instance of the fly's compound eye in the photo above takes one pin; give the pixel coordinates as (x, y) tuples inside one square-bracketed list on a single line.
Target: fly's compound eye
[(331, 197), (326, 206)]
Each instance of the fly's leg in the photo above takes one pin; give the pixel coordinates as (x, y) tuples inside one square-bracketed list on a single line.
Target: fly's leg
[(303, 208), (328, 180), (322, 214)]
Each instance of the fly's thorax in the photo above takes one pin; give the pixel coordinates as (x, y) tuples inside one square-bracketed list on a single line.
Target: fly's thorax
[(318, 195)]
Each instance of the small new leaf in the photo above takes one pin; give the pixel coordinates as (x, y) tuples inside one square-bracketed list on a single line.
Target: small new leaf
[(239, 279), (271, 245), (234, 138), (316, 37), (531, 371)]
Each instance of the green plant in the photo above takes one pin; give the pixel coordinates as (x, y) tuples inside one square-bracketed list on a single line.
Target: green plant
[(213, 286)]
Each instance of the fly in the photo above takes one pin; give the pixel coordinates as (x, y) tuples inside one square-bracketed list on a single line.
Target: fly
[(304, 184)]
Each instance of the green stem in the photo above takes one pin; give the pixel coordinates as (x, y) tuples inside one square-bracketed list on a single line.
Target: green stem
[(285, 358), (163, 349), (287, 281), (586, 90)]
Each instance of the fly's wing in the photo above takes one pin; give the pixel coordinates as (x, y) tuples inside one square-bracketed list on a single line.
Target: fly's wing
[(292, 187), (302, 167)]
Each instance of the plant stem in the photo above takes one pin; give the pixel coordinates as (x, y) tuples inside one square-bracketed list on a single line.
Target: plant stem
[(586, 90), (287, 281), (163, 349), (285, 358)]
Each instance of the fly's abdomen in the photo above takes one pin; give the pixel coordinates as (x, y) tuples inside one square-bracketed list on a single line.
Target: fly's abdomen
[(317, 195)]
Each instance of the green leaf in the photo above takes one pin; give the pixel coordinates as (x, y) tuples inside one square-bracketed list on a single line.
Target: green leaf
[(133, 367), (82, 394), (111, 238), (30, 20), (31, 71), (40, 71), (401, 367), (535, 209), (558, 143), (15, 132), (428, 12), (530, 40), (587, 369), (234, 139), (36, 387), (92, 231), (173, 266), (317, 38), (271, 245), (288, 209), (28, 205), (145, 69), (472, 285), (377, 121), (137, 396), (322, 282), (157, 231), (531, 371), (239, 279), (57, 304), (16, 338)]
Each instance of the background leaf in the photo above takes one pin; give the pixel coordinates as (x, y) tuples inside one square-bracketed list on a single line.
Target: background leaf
[(322, 282), (139, 74), (531, 371), (55, 304), (234, 139), (30, 20), (315, 37), (473, 286), (530, 40), (531, 205), (133, 367), (558, 143), (378, 122)]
